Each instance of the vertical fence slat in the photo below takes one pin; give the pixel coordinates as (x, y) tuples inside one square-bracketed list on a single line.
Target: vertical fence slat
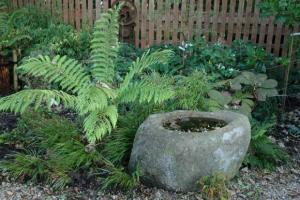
[(239, 19), (71, 13), (191, 10), (137, 24), (151, 22), (270, 34), (65, 11), (90, 12), (159, 22), (78, 14), (84, 16), (277, 44), (105, 4), (143, 25), (167, 25), (223, 17), (183, 20), (175, 23), (248, 19), (199, 17), (215, 21), (231, 22), (98, 9), (207, 8)]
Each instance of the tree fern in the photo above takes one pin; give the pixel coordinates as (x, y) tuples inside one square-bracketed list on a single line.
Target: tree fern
[(92, 95)]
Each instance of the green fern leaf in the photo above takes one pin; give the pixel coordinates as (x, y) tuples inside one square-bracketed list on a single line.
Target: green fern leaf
[(153, 88), (147, 60), (68, 73), (105, 46), (100, 122), (21, 101)]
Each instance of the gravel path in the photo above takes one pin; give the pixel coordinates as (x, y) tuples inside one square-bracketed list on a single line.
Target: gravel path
[(282, 184)]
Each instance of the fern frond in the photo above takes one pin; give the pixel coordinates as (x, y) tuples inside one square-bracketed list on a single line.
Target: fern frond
[(100, 122), (68, 73), (147, 60), (153, 88), (104, 46), (21, 101), (94, 98)]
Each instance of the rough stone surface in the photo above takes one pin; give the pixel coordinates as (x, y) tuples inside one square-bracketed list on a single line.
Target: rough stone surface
[(176, 160)]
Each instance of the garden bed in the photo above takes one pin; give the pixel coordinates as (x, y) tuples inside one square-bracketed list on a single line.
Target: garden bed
[(281, 184)]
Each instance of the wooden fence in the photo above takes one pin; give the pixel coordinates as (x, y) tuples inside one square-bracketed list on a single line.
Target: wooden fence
[(162, 22)]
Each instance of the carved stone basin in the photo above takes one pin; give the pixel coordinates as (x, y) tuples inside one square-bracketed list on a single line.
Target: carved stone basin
[(174, 150)]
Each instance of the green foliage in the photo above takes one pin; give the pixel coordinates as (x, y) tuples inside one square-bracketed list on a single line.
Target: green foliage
[(241, 93), (51, 150), (118, 178), (92, 95), (10, 36), (36, 32), (285, 11), (26, 165), (263, 153), (251, 57), (191, 91), (118, 145), (214, 187), (260, 86), (238, 101)]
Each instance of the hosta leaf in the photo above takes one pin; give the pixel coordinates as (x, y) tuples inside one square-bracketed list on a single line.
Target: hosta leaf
[(218, 97), (249, 102), (260, 78), (213, 105), (270, 83), (260, 94), (227, 97), (235, 85), (248, 78), (245, 109)]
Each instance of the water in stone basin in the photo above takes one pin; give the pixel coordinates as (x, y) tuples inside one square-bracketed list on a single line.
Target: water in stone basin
[(194, 124)]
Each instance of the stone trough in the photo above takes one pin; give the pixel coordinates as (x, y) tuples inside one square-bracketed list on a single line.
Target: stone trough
[(176, 159)]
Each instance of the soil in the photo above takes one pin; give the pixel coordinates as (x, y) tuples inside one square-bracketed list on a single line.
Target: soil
[(194, 124), (7, 122)]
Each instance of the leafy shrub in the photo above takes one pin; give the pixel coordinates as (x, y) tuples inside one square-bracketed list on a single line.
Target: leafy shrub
[(263, 153)]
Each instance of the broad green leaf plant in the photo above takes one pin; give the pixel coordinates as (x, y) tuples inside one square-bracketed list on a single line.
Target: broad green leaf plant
[(246, 90), (92, 92)]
